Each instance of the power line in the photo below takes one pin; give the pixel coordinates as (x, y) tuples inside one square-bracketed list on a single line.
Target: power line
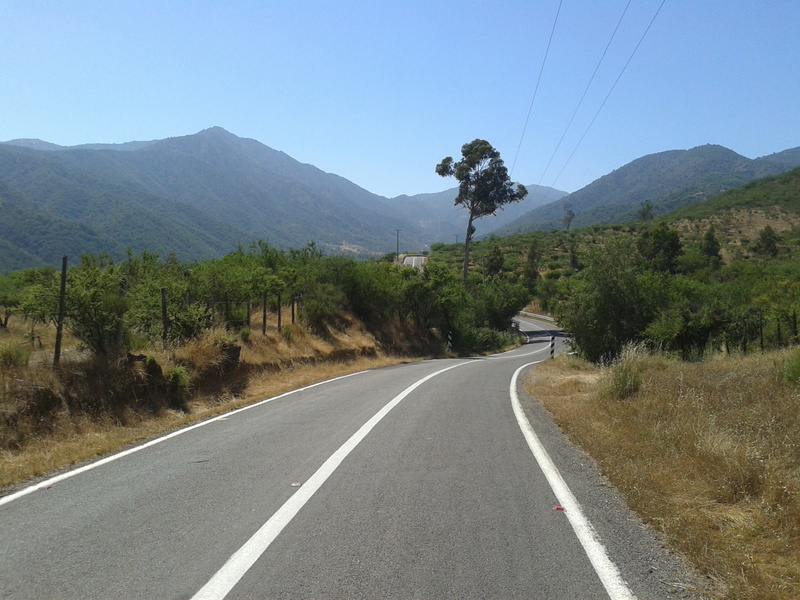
[(575, 112), (536, 89), (609, 92)]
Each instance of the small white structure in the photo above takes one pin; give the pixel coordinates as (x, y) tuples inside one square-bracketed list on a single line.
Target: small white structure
[(417, 261)]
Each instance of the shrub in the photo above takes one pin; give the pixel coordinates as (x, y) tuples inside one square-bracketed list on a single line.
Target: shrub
[(624, 377), (14, 355), (221, 338), (96, 305), (790, 369), (477, 340), (178, 383), (178, 378), (322, 305)]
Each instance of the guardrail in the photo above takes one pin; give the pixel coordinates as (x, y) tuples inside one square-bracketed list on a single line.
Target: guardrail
[(535, 316)]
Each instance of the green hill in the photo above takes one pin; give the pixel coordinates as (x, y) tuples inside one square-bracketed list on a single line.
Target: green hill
[(201, 195), (667, 180), (778, 191), (49, 210)]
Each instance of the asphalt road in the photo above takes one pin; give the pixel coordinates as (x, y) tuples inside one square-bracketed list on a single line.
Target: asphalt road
[(414, 481)]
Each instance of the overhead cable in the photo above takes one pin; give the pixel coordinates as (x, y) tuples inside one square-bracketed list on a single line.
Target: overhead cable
[(609, 92), (536, 89), (575, 112)]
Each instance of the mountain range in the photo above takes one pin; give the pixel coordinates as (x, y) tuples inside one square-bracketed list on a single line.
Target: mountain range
[(666, 180), (200, 196)]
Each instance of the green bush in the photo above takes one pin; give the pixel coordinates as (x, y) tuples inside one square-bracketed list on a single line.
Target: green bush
[(178, 379), (790, 370), (479, 340), (322, 306), (222, 338), (14, 355)]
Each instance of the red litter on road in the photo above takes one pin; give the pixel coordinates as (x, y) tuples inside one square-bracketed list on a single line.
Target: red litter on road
[(558, 508)]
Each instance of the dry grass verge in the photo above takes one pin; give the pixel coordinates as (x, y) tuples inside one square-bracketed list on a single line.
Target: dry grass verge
[(708, 453), (43, 430)]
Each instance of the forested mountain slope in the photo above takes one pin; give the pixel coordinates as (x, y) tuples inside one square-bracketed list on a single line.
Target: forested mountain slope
[(666, 180), (202, 195)]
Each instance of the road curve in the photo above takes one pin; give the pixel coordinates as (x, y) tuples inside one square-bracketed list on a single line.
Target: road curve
[(414, 481)]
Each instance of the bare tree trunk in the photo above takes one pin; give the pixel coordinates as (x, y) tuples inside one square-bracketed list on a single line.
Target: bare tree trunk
[(467, 239)]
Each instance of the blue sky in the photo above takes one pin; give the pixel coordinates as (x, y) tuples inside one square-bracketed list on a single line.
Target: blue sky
[(379, 92)]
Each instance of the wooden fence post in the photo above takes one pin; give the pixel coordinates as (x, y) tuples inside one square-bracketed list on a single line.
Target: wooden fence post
[(264, 316), (61, 310), (164, 319)]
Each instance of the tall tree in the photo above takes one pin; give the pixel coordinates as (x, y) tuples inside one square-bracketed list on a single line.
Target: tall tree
[(495, 262), (661, 247), (611, 301), (531, 269), (569, 216), (767, 242), (645, 212), (710, 246), (484, 185)]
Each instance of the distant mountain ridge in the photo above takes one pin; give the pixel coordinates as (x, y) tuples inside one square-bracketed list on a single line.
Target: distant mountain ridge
[(35, 144), (200, 196), (668, 180)]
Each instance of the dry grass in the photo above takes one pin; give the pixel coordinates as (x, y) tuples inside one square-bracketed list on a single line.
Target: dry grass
[(708, 453), (41, 433), (737, 224)]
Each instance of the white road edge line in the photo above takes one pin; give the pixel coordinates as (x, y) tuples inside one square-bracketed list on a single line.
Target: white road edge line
[(113, 457), (240, 562), (606, 570)]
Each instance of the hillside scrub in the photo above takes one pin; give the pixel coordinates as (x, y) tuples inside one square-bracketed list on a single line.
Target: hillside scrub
[(720, 275), (50, 418), (708, 453), (148, 339), (113, 307)]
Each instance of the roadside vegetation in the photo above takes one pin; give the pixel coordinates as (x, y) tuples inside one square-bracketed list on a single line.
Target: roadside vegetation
[(684, 383), (707, 452), (45, 425), (721, 275), (151, 344)]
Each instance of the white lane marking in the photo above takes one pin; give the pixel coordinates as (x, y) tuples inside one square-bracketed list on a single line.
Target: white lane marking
[(240, 562), (510, 354), (606, 570), (113, 457)]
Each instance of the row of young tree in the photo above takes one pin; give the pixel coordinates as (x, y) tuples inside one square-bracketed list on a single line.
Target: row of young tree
[(649, 288), (117, 306)]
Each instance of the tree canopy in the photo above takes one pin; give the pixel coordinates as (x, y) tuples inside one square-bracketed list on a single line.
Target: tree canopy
[(483, 184)]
